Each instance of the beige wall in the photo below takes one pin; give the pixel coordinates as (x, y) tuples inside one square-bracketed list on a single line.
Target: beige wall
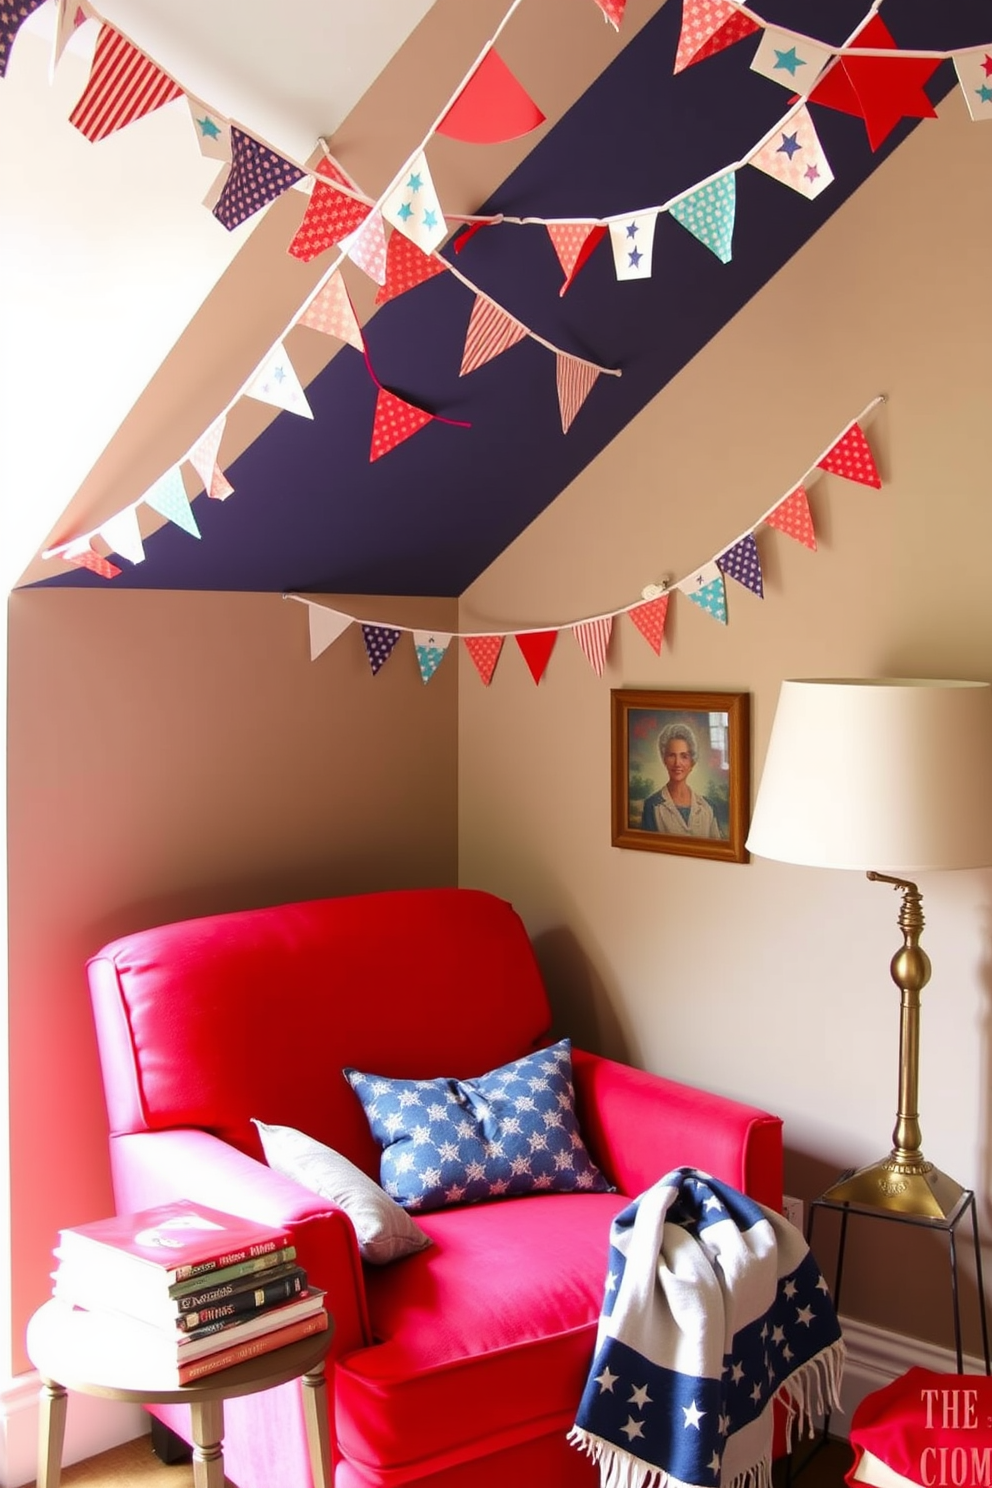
[(176, 754), (762, 980)]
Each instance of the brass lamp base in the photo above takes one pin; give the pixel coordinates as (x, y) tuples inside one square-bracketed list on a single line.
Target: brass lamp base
[(899, 1186)]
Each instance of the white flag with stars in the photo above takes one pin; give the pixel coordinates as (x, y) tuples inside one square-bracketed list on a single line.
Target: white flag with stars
[(413, 207), (632, 240)]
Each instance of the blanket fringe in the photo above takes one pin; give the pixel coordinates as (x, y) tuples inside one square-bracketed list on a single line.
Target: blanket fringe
[(814, 1390), (620, 1469)]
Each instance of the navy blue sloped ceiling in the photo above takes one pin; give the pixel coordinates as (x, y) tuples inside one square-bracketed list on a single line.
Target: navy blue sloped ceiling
[(311, 513)]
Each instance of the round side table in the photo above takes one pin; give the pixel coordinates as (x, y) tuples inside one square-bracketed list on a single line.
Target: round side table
[(92, 1353)]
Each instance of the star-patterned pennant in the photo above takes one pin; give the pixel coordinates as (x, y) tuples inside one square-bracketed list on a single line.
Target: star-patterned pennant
[(575, 382), (203, 458), (413, 207), (709, 213), (632, 241), (613, 11), (593, 637), (430, 647), (706, 589), (212, 130), (84, 555), (123, 85), (325, 626), (492, 107), (276, 382), (707, 27), (574, 242), (366, 247), (122, 535), (795, 157), (406, 267), (741, 562), (330, 216), (792, 516), (880, 90), (168, 497), (485, 653), (256, 177), (490, 332), (331, 312), (852, 458), (69, 16), (974, 70), (790, 60), (536, 647), (650, 620), (395, 421), (379, 642)]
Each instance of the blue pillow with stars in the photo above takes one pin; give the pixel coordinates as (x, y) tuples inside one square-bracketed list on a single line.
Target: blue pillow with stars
[(510, 1132)]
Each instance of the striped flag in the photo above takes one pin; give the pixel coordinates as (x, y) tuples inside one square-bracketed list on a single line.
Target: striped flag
[(123, 85), (490, 331), (575, 383), (593, 637)]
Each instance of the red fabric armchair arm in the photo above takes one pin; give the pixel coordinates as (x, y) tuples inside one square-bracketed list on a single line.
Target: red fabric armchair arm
[(639, 1126), (153, 1167)]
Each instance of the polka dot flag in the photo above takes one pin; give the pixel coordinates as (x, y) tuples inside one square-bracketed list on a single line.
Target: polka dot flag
[(332, 313), (367, 248), (792, 516), (430, 647), (485, 652), (709, 214), (85, 556), (406, 267), (379, 642), (707, 27), (329, 217), (258, 175), (742, 563), (706, 589), (852, 458), (650, 621), (394, 421), (168, 497), (13, 14), (573, 243)]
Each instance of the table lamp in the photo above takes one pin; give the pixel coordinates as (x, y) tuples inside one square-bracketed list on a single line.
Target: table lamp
[(891, 776)]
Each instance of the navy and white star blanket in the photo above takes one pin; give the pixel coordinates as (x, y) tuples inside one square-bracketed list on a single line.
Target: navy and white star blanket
[(713, 1308)]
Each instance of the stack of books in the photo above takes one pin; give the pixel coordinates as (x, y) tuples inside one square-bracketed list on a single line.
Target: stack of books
[(193, 1288)]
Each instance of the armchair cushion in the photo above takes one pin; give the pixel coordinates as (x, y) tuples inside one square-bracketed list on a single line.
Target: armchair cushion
[(509, 1132)]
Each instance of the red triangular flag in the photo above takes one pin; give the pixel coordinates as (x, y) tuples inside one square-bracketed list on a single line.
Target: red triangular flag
[(83, 555), (613, 11), (708, 26), (650, 621), (123, 85), (573, 243), (792, 516), (537, 646), (492, 106), (852, 458), (484, 651), (329, 217), (395, 421), (406, 267), (575, 382), (880, 90), (490, 331)]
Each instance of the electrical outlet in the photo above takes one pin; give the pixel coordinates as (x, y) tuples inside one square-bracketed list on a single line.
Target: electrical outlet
[(792, 1208)]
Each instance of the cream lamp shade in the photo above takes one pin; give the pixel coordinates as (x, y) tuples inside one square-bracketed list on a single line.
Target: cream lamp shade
[(886, 773)]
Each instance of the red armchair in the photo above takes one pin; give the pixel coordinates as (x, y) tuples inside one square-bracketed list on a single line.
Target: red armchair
[(460, 1366)]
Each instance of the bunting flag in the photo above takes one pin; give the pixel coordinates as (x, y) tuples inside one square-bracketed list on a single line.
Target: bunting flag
[(632, 241), (536, 647), (13, 14), (792, 516), (366, 247), (974, 70), (852, 458), (708, 214), (332, 313), (69, 16), (575, 382), (276, 382), (880, 90), (329, 217), (613, 11), (406, 267), (256, 177), (706, 589), (394, 421), (741, 562), (430, 647), (168, 497), (379, 642), (84, 555), (123, 85), (213, 131), (707, 27), (485, 652), (650, 620), (574, 242), (413, 207), (593, 637), (325, 627), (790, 60), (122, 535), (333, 170), (203, 458), (492, 107), (490, 332), (795, 157)]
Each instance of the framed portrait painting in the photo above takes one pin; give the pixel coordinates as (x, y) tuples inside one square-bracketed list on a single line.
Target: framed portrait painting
[(682, 772)]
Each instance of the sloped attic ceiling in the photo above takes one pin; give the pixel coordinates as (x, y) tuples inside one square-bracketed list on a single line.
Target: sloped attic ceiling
[(310, 510)]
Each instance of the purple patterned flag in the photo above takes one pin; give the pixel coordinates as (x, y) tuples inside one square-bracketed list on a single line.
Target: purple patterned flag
[(13, 14), (742, 563), (258, 175), (379, 642)]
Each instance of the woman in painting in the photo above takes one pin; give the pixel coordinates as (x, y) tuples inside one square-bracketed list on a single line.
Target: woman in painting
[(676, 810)]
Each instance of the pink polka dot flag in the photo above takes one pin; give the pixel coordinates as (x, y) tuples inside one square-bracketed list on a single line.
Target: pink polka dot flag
[(85, 556), (852, 458), (707, 27), (485, 652), (650, 621), (331, 312), (792, 516), (573, 243), (394, 421), (406, 267)]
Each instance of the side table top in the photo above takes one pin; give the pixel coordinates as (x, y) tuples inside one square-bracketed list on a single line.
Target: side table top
[(102, 1354)]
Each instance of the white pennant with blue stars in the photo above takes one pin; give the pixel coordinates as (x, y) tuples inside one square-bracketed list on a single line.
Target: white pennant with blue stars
[(413, 207), (790, 60), (632, 241)]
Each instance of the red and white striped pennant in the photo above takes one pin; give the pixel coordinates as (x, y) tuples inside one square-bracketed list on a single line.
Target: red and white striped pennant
[(575, 383), (593, 637), (490, 332), (123, 85)]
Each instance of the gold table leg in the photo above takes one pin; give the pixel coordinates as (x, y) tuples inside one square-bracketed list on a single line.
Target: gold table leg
[(315, 1416), (51, 1433)]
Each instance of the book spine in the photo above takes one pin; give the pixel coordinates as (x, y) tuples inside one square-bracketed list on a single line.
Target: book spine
[(219, 1262), (243, 1303), (219, 1291), (265, 1343), (183, 1289)]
